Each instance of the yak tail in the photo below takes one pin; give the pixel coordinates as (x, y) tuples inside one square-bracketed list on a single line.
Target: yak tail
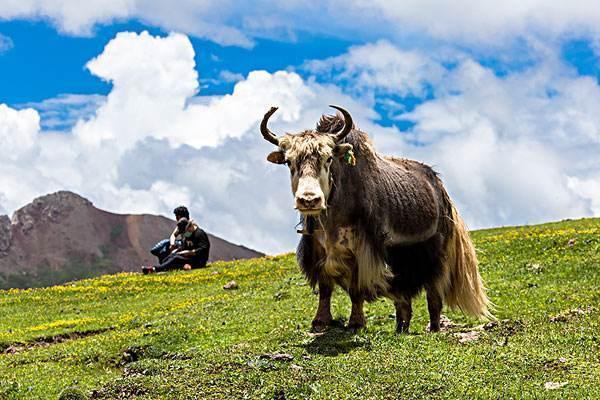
[(464, 288)]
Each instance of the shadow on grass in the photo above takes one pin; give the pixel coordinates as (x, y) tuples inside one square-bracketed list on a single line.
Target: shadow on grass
[(336, 340)]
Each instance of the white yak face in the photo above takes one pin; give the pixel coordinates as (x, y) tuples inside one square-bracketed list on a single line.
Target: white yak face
[(309, 156)]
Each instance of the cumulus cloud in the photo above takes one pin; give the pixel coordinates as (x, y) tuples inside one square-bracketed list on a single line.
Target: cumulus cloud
[(70, 16), (154, 84), (512, 149), (18, 130), (152, 77), (489, 21), (153, 142), (381, 66), (509, 147), (204, 19), (239, 23)]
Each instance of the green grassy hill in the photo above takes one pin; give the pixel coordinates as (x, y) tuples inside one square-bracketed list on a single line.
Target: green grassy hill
[(180, 335)]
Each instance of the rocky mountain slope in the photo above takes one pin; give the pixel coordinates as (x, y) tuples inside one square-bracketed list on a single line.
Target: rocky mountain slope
[(62, 236)]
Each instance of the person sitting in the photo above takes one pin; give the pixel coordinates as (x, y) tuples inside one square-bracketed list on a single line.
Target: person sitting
[(193, 252), (165, 247)]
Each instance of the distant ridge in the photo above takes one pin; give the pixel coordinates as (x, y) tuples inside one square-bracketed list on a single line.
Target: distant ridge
[(63, 236)]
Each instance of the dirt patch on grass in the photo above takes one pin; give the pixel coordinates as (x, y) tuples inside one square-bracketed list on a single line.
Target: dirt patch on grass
[(46, 341), (559, 364), (569, 315), (503, 328)]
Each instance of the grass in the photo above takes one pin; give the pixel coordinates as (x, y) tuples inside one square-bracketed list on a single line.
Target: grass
[(181, 336), (44, 275)]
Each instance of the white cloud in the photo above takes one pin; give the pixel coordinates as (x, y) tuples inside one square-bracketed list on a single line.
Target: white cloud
[(232, 22), (204, 19), (18, 130), (588, 188), (511, 150), (488, 21), (382, 66), (70, 16), (153, 82), (215, 20), (152, 143), (509, 147), (228, 76), (151, 77)]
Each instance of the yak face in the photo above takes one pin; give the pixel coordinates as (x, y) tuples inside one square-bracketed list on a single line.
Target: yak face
[(309, 156)]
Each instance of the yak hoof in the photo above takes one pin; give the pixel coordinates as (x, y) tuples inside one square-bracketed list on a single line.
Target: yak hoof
[(319, 325)]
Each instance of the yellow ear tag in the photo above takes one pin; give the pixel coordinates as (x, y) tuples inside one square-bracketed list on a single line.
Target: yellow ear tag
[(349, 158)]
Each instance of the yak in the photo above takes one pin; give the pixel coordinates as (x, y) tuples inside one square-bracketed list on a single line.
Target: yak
[(375, 225)]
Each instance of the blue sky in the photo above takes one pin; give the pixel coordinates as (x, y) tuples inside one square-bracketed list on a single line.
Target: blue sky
[(44, 63), (504, 101)]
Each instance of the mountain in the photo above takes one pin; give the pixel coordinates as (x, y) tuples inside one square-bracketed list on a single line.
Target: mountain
[(62, 236)]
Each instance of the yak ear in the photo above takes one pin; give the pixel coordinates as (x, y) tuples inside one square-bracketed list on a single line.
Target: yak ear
[(276, 157), (340, 150)]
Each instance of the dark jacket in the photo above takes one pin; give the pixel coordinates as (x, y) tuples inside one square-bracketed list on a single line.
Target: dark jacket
[(198, 243)]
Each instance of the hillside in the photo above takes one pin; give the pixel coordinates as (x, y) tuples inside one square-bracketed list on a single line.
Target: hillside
[(62, 237), (181, 336)]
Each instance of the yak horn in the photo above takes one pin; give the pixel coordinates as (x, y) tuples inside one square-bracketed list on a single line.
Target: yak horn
[(267, 134), (348, 124)]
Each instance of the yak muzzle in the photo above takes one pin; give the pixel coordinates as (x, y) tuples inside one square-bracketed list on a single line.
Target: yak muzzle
[(310, 203)]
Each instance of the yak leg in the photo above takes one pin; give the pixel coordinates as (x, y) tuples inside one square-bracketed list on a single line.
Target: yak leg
[(357, 315), (323, 317), (403, 314), (310, 254), (434, 305)]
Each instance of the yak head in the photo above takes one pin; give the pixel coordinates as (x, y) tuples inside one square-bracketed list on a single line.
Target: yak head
[(309, 155)]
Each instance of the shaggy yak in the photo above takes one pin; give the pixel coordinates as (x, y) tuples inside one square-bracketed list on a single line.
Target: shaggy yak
[(375, 225)]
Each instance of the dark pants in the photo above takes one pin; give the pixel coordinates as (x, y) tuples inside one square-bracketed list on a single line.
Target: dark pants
[(175, 261)]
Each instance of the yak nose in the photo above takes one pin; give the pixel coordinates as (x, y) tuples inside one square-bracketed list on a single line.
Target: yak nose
[(309, 201)]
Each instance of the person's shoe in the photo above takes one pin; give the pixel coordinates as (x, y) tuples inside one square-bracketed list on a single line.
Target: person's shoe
[(148, 270), (187, 267)]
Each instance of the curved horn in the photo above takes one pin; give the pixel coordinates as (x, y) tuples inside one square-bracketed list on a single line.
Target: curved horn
[(267, 134), (348, 124)]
